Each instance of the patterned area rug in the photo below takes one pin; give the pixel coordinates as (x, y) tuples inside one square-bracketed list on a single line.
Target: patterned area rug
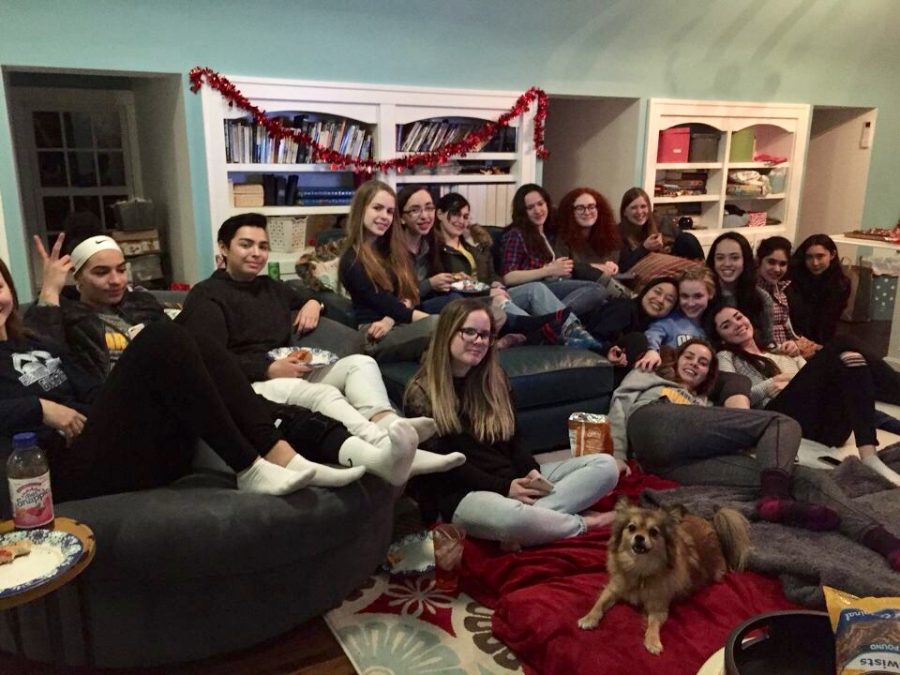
[(402, 625)]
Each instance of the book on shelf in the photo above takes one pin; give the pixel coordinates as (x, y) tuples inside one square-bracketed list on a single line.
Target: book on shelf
[(249, 143), (428, 135)]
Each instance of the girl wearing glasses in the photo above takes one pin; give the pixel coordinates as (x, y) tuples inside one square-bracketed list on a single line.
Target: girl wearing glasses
[(500, 493), (587, 234), (417, 215), (375, 270), (465, 248), (527, 254)]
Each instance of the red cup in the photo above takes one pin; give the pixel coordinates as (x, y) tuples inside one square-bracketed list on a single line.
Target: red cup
[(449, 541)]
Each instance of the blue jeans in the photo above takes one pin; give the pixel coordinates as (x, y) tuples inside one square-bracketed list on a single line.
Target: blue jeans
[(578, 483), (532, 299), (579, 296)]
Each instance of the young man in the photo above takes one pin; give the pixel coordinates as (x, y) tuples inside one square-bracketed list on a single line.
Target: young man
[(250, 315)]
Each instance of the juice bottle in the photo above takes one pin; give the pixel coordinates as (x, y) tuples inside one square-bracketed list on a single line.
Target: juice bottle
[(29, 483)]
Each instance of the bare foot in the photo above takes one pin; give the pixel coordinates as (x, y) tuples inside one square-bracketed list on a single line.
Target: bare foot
[(510, 340), (594, 519)]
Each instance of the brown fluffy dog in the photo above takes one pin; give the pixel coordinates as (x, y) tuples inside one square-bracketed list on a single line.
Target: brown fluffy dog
[(657, 556)]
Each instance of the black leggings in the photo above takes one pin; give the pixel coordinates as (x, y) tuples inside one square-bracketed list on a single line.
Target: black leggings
[(830, 399), (168, 390)]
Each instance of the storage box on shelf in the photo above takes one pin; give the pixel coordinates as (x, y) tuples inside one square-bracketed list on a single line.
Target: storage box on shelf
[(726, 141)]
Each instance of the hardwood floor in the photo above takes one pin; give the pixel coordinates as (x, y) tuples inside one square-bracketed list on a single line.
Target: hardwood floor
[(309, 649)]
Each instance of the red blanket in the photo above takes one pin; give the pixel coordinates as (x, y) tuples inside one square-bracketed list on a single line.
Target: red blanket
[(539, 594)]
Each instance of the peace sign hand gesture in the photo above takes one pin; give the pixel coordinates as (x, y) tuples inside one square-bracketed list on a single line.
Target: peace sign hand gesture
[(56, 269)]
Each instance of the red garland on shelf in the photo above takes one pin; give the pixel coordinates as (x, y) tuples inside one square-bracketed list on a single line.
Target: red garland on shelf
[(338, 160)]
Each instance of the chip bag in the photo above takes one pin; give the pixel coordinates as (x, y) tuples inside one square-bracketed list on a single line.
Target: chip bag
[(589, 434), (866, 632)]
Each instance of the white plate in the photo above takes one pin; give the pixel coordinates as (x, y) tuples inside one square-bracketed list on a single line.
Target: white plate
[(52, 553), (320, 357), (414, 554), (469, 287)]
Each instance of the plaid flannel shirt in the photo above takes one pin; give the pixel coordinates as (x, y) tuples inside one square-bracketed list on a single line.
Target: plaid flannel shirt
[(781, 315), (515, 254)]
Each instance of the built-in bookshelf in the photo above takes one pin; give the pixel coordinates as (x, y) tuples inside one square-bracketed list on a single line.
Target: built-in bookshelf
[(246, 167), (741, 168)]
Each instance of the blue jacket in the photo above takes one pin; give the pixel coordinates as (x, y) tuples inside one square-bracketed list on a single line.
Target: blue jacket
[(672, 331)]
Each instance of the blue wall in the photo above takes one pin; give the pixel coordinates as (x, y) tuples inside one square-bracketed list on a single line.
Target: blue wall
[(830, 52)]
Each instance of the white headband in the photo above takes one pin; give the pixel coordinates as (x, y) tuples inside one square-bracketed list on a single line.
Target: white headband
[(82, 253)]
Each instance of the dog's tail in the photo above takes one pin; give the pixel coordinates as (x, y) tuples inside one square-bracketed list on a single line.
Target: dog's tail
[(734, 536)]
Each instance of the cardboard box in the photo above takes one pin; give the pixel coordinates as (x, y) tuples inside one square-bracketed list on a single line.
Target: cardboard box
[(137, 242)]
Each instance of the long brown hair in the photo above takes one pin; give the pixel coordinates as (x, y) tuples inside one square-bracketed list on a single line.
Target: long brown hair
[(387, 260), (762, 364), (534, 242), (485, 400), (14, 328), (634, 234), (604, 236), (707, 384)]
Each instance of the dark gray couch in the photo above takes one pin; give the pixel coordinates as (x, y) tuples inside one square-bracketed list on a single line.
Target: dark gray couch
[(197, 569)]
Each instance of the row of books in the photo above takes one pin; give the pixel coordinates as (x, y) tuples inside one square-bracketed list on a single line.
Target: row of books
[(489, 203), (431, 134), (279, 190), (247, 142)]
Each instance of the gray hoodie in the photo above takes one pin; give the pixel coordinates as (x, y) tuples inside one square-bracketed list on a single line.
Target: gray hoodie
[(638, 389)]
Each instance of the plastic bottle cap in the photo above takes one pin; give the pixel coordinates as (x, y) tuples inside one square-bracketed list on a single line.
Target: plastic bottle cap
[(24, 440)]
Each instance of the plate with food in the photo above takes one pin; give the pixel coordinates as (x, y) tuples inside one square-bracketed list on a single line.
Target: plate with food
[(311, 356), (413, 554), (472, 286), (29, 558)]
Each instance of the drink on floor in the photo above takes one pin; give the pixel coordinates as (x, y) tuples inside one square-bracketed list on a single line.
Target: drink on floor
[(448, 550)]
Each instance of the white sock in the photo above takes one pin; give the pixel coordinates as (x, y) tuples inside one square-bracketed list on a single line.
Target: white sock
[(431, 462), (874, 462), (424, 426), (265, 478), (389, 461), (326, 476)]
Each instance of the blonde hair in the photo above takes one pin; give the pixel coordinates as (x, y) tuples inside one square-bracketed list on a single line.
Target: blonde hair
[(390, 263), (700, 273), (485, 402)]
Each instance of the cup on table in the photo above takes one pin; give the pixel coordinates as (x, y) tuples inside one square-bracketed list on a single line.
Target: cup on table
[(449, 541)]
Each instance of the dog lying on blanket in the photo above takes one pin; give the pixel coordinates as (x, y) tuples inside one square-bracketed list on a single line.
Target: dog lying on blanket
[(659, 555)]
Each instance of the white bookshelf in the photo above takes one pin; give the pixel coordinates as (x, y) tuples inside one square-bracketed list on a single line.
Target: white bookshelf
[(780, 129), (381, 110)]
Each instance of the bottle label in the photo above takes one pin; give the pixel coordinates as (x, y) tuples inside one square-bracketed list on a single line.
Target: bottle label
[(32, 501)]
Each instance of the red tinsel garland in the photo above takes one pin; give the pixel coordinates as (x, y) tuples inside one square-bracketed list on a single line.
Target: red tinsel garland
[(338, 160)]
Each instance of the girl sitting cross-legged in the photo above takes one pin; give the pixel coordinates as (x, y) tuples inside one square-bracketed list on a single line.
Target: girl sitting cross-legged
[(497, 494)]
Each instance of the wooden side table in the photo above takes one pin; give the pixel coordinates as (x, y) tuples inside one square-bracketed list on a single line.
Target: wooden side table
[(10, 604)]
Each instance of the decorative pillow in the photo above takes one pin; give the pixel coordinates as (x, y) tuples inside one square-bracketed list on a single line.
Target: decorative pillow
[(659, 265), (319, 270)]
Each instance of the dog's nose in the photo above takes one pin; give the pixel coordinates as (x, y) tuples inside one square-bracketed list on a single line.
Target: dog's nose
[(638, 539)]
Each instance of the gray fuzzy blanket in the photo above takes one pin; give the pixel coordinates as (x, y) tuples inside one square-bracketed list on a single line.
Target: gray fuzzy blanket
[(805, 560)]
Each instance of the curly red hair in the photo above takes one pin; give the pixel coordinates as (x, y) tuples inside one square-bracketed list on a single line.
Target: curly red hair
[(604, 237)]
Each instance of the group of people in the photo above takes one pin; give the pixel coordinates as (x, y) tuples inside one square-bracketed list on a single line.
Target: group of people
[(99, 367)]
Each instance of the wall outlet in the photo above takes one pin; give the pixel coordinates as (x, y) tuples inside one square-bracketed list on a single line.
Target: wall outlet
[(865, 140)]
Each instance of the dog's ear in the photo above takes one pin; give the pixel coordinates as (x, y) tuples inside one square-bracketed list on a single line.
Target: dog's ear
[(676, 512), (622, 505)]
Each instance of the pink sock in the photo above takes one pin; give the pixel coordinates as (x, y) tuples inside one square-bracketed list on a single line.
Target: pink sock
[(798, 514)]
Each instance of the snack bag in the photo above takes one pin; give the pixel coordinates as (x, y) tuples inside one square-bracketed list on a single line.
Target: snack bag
[(866, 632), (589, 434)]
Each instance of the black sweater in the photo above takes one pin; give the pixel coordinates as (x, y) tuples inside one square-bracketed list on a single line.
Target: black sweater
[(370, 303), (248, 318), (488, 467)]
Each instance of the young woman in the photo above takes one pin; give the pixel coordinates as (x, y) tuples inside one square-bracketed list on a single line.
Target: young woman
[(831, 395), (696, 287), (496, 494), (417, 211), (528, 254), (587, 234), (731, 259), (465, 249), (640, 233), (375, 270), (819, 288), (138, 429), (664, 418), (772, 256)]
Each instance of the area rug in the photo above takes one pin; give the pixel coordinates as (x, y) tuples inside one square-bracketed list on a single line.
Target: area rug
[(402, 625)]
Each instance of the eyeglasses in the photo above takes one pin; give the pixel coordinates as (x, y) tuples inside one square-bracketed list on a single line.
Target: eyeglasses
[(581, 209), (417, 211), (473, 335)]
